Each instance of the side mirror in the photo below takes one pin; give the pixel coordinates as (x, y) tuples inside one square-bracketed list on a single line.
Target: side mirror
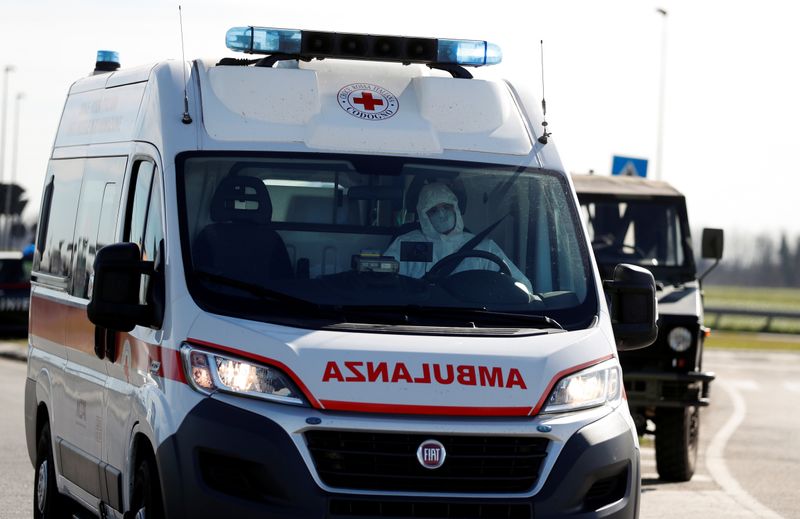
[(713, 242), (117, 280), (632, 303)]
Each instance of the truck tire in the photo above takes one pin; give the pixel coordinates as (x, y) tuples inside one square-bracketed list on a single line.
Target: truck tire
[(47, 502), (677, 433)]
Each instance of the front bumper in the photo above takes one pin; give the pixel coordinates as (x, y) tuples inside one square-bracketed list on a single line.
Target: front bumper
[(664, 389), (225, 461)]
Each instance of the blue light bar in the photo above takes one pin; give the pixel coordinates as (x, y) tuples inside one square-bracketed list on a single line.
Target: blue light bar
[(262, 40), (107, 56), (320, 45), (469, 52), (107, 61)]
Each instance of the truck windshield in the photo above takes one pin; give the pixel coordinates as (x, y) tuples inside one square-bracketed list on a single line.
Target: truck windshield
[(308, 238), (647, 232)]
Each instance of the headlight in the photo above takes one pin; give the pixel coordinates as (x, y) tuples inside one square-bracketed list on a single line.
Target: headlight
[(208, 372), (590, 388), (680, 339)]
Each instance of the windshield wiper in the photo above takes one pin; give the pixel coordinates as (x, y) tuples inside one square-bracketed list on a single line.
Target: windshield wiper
[(471, 315), (257, 290)]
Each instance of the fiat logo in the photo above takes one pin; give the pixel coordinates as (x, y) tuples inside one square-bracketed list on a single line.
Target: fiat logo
[(431, 454)]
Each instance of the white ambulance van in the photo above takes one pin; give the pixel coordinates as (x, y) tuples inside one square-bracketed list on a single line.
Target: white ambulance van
[(343, 279)]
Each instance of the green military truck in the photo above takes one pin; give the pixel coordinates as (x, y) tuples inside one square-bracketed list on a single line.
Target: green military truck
[(644, 222)]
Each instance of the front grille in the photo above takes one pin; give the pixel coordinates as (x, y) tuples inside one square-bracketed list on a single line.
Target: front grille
[(388, 462), (429, 509)]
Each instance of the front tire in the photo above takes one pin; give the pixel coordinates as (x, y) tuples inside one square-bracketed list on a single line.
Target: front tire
[(677, 438), (146, 502), (47, 502)]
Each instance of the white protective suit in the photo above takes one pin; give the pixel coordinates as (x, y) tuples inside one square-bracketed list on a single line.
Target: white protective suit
[(430, 196)]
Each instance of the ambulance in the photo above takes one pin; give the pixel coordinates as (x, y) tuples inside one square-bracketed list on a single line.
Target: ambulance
[(339, 277)]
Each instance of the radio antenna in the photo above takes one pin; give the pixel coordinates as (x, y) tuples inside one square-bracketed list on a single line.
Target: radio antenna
[(186, 119), (546, 134)]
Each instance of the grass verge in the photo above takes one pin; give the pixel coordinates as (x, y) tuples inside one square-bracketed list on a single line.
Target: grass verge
[(753, 341)]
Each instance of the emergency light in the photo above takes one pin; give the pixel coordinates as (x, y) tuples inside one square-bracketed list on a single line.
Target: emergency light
[(107, 61), (313, 44)]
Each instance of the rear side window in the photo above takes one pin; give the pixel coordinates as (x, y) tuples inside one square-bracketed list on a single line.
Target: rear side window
[(80, 204), (97, 216), (62, 190)]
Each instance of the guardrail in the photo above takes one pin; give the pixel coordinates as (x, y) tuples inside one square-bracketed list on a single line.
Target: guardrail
[(769, 315)]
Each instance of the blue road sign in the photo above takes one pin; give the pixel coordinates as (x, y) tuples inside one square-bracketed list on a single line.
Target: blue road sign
[(629, 167)]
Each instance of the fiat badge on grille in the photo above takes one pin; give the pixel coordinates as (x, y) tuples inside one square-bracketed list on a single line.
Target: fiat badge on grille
[(431, 454)]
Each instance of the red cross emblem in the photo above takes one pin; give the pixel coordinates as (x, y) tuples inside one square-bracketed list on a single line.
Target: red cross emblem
[(368, 101)]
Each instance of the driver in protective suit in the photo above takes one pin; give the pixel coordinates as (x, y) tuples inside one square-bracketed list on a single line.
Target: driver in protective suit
[(441, 224)]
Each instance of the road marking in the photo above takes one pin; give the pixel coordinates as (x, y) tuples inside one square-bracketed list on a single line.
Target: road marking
[(715, 456), (792, 386)]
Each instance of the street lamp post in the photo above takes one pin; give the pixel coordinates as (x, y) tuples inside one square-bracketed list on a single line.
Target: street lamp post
[(6, 71), (14, 154), (661, 91)]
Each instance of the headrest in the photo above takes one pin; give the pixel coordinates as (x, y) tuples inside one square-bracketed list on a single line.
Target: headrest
[(241, 199)]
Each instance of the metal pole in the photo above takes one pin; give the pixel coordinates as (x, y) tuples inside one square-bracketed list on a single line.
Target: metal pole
[(6, 71), (14, 153), (661, 92)]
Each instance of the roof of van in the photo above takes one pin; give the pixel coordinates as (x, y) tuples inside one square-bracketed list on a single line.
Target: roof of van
[(619, 185), (326, 105)]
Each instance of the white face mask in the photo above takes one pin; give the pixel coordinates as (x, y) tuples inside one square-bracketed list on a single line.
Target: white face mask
[(443, 218)]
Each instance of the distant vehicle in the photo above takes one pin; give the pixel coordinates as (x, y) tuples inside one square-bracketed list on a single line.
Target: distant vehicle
[(15, 293), (644, 222)]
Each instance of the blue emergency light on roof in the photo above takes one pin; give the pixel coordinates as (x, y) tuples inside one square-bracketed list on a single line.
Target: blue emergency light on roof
[(107, 61), (314, 44)]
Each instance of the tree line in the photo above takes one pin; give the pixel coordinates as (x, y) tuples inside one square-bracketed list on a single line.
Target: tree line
[(763, 260)]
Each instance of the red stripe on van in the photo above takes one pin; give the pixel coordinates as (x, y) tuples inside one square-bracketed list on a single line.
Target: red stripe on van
[(335, 405), (265, 360)]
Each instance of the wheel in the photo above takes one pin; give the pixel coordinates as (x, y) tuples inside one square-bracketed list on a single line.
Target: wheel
[(47, 502), (146, 501), (445, 266), (677, 432)]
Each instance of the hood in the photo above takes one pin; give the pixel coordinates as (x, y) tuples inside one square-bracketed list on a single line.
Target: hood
[(680, 300), (411, 374)]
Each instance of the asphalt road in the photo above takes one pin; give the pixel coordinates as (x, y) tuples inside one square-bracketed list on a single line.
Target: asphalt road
[(749, 462), (749, 459), (16, 471)]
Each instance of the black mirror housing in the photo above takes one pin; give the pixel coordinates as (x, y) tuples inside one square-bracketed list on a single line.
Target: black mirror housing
[(633, 307), (713, 243), (115, 304)]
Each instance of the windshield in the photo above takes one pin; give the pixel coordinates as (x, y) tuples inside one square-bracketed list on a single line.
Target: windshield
[(647, 232), (306, 237)]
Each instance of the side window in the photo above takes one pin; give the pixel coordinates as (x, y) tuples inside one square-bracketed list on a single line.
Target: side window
[(144, 224), (97, 216), (138, 201), (55, 245)]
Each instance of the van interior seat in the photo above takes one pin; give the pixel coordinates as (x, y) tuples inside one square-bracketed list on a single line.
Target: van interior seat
[(240, 240)]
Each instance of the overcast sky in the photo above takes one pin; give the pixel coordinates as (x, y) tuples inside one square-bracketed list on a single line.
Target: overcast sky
[(732, 123)]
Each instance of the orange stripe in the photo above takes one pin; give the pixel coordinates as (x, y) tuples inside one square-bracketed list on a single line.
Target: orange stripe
[(68, 325)]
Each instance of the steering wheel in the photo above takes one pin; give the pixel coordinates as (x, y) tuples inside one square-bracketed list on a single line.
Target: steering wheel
[(439, 270)]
